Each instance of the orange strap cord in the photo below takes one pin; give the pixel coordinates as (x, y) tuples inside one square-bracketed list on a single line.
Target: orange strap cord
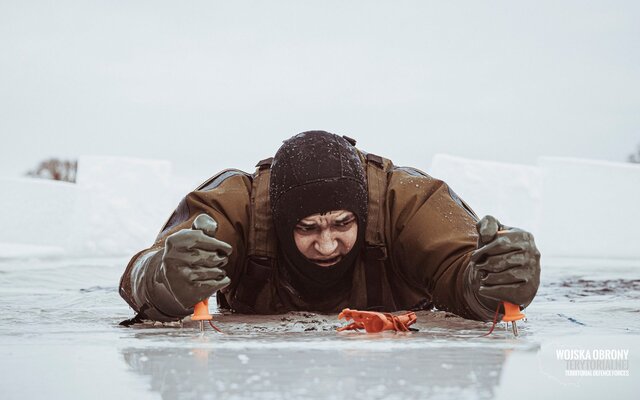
[(374, 322)]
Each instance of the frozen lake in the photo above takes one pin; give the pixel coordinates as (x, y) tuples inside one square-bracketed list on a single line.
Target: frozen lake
[(59, 338)]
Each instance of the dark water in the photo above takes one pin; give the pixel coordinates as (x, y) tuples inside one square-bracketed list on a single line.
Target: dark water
[(59, 338)]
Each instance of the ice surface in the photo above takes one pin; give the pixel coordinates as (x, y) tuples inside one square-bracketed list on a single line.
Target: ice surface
[(59, 338)]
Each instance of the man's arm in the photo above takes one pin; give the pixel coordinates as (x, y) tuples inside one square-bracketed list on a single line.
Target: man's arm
[(506, 267), (434, 237), (190, 258)]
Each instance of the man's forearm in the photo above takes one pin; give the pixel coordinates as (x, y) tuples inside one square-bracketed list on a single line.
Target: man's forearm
[(149, 293)]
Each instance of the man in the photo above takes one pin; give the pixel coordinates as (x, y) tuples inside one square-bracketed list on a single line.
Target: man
[(323, 226)]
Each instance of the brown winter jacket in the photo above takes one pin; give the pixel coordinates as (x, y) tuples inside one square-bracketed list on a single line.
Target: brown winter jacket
[(429, 234)]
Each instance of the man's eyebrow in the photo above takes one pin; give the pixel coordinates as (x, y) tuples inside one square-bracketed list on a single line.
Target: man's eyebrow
[(303, 223), (344, 217)]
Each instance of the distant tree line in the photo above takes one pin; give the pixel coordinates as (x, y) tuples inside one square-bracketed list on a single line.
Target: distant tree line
[(58, 170)]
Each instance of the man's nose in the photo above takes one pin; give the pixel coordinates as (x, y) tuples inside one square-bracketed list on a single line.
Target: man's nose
[(326, 243)]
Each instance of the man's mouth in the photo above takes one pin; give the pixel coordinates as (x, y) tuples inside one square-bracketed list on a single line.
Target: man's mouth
[(327, 262)]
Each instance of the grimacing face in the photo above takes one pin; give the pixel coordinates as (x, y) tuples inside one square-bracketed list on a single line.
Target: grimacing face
[(325, 238)]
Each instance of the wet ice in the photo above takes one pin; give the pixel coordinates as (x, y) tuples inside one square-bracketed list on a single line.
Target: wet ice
[(64, 315)]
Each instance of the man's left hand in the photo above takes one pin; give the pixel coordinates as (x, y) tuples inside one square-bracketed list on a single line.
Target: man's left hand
[(506, 266)]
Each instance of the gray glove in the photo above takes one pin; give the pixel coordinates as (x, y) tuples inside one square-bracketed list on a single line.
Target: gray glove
[(505, 267), (192, 262), (189, 269)]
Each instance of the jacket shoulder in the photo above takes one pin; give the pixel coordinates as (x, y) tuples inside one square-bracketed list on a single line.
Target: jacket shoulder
[(222, 176), (225, 192), (413, 182)]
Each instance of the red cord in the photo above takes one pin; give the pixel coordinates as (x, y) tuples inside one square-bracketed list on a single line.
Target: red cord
[(218, 329), (495, 321)]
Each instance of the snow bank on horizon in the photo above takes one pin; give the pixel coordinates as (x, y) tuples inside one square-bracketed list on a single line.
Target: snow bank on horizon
[(36, 212), (580, 211), (590, 208), (577, 209), (116, 207), (509, 192)]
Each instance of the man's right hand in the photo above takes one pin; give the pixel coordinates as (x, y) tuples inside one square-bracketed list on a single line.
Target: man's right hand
[(193, 261)]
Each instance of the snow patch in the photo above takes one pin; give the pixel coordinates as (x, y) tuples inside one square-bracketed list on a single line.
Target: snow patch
[(577, 209), (36, 212), (510, 192), (122, 203), (116, 207), (9, 251), (590, 208)]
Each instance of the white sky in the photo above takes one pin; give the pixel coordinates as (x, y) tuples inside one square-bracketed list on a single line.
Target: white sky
[(215, 84)]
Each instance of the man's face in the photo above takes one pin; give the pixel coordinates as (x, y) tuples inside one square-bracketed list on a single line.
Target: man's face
[(325, 238)]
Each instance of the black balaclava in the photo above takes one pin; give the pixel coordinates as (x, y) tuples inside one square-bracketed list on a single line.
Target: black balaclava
[(316, 172)]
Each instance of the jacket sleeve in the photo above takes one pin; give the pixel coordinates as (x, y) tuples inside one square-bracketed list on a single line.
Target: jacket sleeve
[(226, 198), (432, 235)]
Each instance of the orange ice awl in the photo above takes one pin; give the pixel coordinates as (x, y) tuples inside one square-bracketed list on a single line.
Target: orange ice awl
[(512, 314), (201, 313), (374, 322)]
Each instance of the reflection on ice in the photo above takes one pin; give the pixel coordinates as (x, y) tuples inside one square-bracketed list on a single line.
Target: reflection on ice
[(283, 357), (209, 372)]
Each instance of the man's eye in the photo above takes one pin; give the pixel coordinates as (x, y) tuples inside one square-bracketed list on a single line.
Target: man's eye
[(345, 223), (305, 228)]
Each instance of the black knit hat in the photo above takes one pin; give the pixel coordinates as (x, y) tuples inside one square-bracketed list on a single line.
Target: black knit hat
[(316, 172)]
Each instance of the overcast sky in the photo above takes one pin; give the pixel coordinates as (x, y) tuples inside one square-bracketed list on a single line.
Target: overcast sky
[(215, 84)]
